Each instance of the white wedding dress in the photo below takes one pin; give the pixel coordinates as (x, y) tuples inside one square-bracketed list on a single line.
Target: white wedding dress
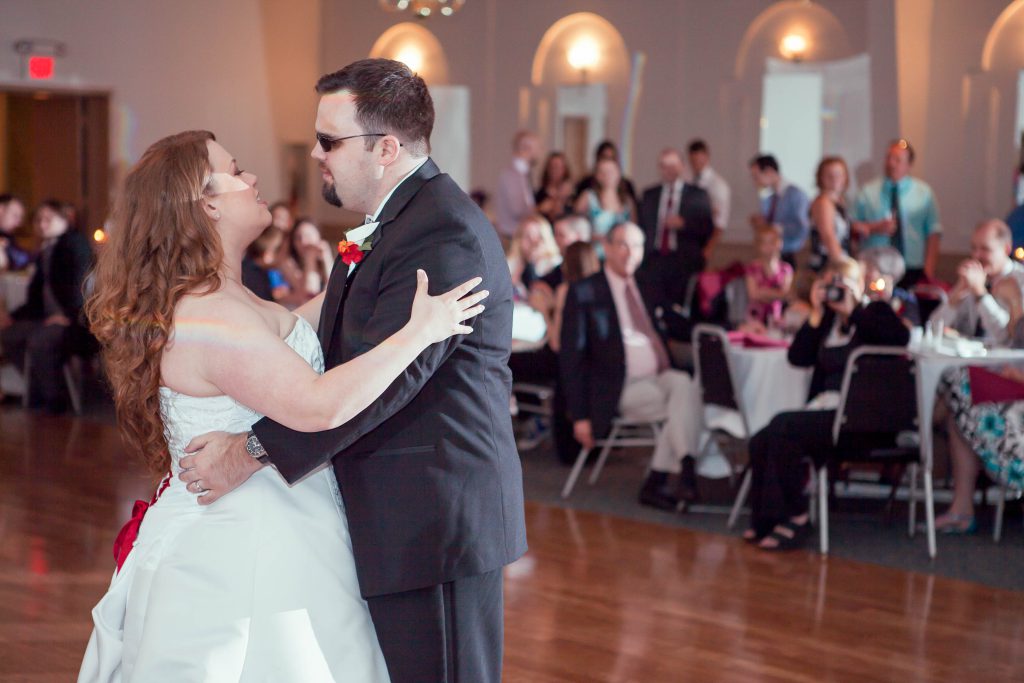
[(259, 586)]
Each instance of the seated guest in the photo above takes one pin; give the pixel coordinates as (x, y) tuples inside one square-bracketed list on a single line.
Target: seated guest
[(988, 436), (606, 150), (613, 361), (554, 197), (971, 309), (883, 268), (281, 217), (568, 230), (547, 293), (258, 272), (830, 228), (308, 264), (782, 204), (839, 323), (607, 202), (676, 220), (769, 279), (534, 247), (48, 326), (580, 263), (899, 210), (12, 213)]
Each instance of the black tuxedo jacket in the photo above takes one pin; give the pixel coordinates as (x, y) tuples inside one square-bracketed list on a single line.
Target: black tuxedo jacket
[(429, 472), (695, 209), (69, 266), (592, 362)]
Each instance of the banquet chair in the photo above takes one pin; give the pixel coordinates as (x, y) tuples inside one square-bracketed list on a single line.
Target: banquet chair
[(717, 382), (929, 298), (541, 404), (72, 369), (878, 401), (624, 433)]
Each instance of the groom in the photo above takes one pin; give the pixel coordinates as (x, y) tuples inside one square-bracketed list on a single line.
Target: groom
[(429, 472)]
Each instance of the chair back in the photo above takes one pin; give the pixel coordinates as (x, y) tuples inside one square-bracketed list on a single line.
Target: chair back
[(737, 302), (879, 397), (929, 298), (713, 370)]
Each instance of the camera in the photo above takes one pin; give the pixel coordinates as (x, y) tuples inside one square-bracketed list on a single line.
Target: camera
[(835, 291)]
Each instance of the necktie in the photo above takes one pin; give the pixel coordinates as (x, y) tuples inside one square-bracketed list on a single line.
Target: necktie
[(642, 324), (665, 244), (894, 207)]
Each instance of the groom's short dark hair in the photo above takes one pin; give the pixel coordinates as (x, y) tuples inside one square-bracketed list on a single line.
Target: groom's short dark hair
[(389, 99)]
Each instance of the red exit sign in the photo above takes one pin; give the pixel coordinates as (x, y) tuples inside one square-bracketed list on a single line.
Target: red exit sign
[(40, 67)]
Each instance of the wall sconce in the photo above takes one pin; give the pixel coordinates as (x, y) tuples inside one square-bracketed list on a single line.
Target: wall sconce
[(584, 56), (794, 47), (412, 57)]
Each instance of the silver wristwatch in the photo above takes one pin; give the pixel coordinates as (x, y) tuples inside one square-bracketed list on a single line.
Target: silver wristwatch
[(255, 448)]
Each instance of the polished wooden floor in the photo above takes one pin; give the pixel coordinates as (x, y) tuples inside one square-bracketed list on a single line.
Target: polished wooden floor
[(597, 598)]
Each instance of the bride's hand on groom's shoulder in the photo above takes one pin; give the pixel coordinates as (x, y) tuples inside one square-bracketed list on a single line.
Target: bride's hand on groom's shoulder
[(436, 318), (216, 464)]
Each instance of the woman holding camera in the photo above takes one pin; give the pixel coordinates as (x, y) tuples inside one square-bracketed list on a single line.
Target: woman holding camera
[(839, 322)]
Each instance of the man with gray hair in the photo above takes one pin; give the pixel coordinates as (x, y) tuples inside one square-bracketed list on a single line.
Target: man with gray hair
[(883, 268), (972, 310)]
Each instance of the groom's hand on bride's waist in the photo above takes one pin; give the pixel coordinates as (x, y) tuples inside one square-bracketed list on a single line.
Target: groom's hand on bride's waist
[(216, 464)]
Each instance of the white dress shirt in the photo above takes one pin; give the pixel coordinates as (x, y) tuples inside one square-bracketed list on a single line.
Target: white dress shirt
[(718, 192), (986, 310), (513, 200), (360, 233), (641, 358)]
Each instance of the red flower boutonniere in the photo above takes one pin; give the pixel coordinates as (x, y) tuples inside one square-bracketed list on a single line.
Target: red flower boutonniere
[(351, 252)]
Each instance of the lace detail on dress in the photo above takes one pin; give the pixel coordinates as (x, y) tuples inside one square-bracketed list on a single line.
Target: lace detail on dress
[(186, 417)]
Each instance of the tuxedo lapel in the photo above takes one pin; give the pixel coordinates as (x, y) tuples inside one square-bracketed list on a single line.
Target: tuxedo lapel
[(332, 302), (337, 291)]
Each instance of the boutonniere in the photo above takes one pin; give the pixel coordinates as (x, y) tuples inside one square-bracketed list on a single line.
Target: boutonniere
[(351, 252)]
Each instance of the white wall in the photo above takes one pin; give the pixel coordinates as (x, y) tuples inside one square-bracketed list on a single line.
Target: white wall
[(173, 66)]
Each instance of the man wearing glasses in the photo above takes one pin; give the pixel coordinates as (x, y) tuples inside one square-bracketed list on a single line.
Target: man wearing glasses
[(429, 473)]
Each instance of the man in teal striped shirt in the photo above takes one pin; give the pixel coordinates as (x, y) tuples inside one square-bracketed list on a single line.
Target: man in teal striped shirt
[(900, 211)]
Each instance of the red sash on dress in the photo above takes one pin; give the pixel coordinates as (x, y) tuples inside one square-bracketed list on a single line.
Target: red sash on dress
[(125, 540)]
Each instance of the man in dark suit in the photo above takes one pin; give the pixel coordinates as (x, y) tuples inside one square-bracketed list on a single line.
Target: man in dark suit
[(429, 472), (677, 222), (49, 326), (613, 361)]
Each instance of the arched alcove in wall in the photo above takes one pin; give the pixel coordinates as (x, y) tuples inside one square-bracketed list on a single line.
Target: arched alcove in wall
[(571, 107), (825, 37), (416, 46), (551, 60), (1004, 45), (993, 111)]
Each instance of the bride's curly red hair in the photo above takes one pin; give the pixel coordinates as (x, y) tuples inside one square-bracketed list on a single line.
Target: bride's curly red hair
[(162, 246)]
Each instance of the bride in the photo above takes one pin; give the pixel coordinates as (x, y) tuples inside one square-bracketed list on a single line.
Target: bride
[(262, 585)]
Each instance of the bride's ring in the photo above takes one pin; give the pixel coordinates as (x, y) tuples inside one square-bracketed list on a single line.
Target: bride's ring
[(199, 487)]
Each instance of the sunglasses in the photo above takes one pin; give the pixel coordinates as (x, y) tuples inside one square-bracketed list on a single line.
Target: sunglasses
[(328, 143)]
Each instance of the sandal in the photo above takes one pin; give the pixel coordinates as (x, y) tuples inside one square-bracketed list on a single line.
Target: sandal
[(800, 533), (957, 525)]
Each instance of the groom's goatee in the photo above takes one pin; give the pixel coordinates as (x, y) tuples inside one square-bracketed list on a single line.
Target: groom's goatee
[(330, 194)]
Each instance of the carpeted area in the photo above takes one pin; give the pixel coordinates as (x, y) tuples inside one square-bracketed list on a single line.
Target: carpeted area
[(857, 527)]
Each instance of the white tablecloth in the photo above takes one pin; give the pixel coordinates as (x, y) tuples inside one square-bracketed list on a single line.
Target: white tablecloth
[(769, 385), (14, 289), (13, 292)]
